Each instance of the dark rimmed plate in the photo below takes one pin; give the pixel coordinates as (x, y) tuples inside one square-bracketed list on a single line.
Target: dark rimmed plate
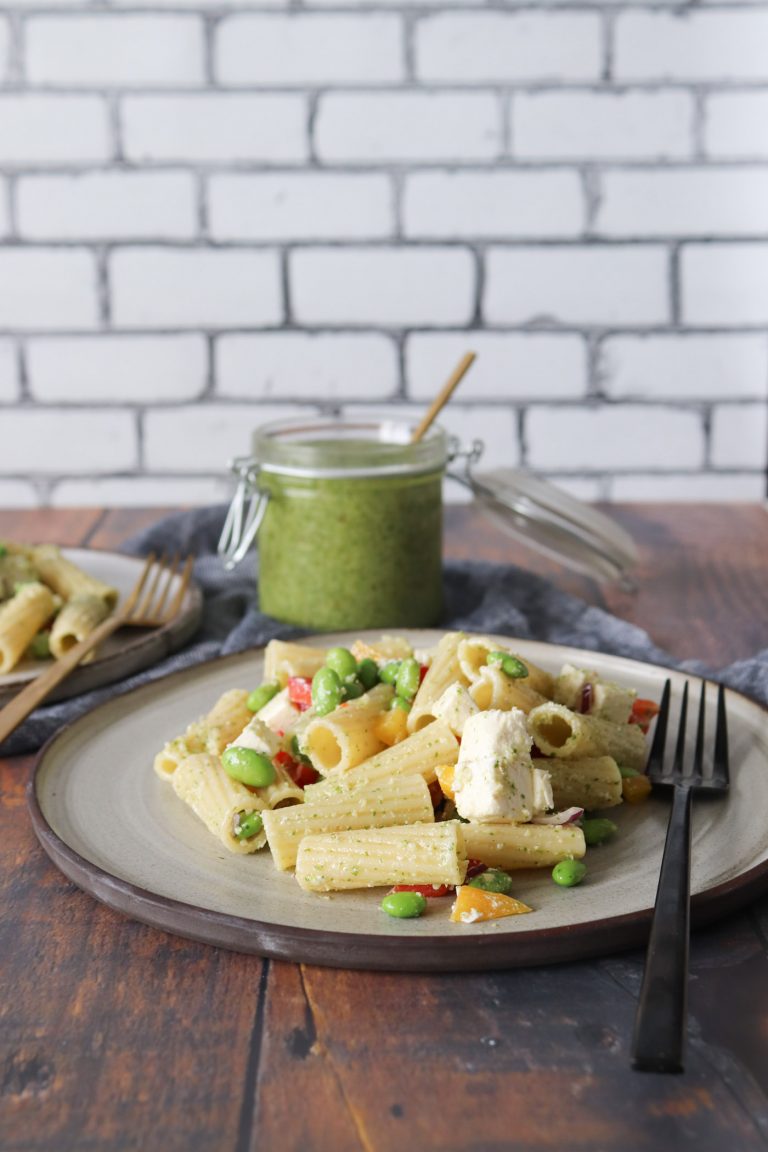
[(120, 833)]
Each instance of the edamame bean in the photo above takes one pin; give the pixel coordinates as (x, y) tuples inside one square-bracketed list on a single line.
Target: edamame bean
[(400, 702), (248, 766), (408, 678), (388, 672), (598, 829), (626, 773), (342, 662), (510, 665), (326, 690), (569, 873), (404, 905), (262, 695), (368, 673), (40, 646), (492, 880), (248, 825), (352, 689)]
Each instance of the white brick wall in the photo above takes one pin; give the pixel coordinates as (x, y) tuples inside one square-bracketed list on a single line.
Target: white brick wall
[(214, 214)]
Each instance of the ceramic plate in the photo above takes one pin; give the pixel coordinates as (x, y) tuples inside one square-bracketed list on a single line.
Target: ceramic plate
[(130, 649), (120, 833)]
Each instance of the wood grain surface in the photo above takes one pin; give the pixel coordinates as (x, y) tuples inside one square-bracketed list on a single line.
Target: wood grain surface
[(116, 1036)]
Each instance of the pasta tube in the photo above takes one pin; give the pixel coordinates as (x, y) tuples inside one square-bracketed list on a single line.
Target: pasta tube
[(220, 802), (76, 620), (370, 857), (421, 752), (346, 736), (211, 733), (376, 804), (512, 846), (585, 691), (594, 782), (557, 731), (442, 672), (21, 618), (67, 579), (15, 568), (494, 689), (473, 657), (283, 659)]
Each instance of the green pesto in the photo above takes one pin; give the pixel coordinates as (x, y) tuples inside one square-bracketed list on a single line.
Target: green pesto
[(352, 553)]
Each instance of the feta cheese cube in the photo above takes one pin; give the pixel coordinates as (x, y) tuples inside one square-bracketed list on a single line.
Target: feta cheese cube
[(495, 778), (455, 706), (259, 737)]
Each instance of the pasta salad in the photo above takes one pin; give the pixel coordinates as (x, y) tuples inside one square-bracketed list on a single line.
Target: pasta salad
[(434, 773)]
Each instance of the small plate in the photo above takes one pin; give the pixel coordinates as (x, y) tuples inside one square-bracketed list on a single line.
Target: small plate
[(129, 650), (120, 833)]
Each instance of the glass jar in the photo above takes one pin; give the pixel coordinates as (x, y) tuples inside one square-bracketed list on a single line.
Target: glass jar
[(348, 515)]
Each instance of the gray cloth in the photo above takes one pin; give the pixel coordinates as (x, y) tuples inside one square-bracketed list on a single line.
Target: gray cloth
[(479, 597)]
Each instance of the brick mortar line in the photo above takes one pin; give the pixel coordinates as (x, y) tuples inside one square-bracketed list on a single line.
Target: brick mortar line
[(698, 405), (417, 86), (28, 170)]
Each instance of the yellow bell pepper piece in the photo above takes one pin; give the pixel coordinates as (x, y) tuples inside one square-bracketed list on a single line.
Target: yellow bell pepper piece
[(473, 904)]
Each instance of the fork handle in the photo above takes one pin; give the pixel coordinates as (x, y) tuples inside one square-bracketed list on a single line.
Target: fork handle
[(660, 1025), (36, 691)]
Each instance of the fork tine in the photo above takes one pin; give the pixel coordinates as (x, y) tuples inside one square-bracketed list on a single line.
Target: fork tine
[(140, 584), (181, 591), (721, 766), (656, 754), (698, 752), (157, 606), (677, 763)]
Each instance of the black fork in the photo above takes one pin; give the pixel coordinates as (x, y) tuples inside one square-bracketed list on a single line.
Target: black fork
[(660, 1025)]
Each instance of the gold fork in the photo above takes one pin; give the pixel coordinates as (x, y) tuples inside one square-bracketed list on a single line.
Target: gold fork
[(151, 603)]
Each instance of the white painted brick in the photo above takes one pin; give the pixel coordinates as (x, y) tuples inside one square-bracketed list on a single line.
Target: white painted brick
[(114, 369), (307, 366), (564, 285), (108, 206), (301, 206), (404, 4), (310, 49), (57, 129), (9, 372), (684, 366), (485, 47), (618, 437), (692, 45), (5, 49), (166, 288), (411, 286), (500, 205), (206, 437), (708, 487), (47, 442), (602, 125), (216, 128), (109, 51), (736, 125), (684, 202), (740, 436), (47, 288), (141, 492), (724, 284), (18, 494), (418, 127), (509, 366), (5, 214)]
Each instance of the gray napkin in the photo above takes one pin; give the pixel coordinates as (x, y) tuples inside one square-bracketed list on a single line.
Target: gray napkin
[(479, 597)]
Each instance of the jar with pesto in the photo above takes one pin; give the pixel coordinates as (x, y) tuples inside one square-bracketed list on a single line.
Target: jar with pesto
[(348, 520)]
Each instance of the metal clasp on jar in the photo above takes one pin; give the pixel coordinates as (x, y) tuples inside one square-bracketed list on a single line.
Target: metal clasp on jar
[(467, 456), (245, 512)]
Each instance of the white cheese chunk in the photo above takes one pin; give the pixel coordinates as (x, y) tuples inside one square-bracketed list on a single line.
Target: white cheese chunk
[(279, 713), (495, 778), (259, 737), (455, 706)]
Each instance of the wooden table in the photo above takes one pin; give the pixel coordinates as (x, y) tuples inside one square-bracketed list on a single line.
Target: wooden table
[(116, 1036)]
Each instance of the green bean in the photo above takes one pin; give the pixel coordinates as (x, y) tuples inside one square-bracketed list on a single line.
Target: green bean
[(326, 690), (569, 873), (368, 673), (492, 880), (408, 678), (598, 830), (388, 672), (404, 905), (342, 662), (248, 825), (262, 695), (248, 766)]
